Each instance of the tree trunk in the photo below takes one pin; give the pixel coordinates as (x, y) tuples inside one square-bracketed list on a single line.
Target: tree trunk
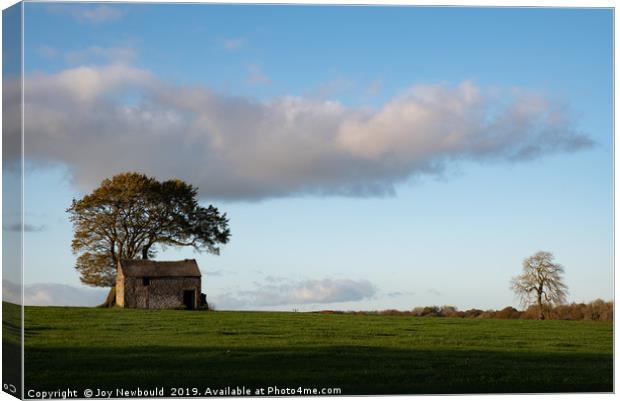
[(541, 315), (145, 251), (110, 300)]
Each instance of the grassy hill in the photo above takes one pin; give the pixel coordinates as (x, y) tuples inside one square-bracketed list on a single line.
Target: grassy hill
[(111, 348), (11, 345)]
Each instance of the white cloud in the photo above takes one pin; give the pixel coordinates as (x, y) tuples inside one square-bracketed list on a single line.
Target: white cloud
[(83, 84), (51, 294), (333, 88), (374, 88), (115, 54), (397, 294), (256, 76), (233, 43), (213, 273), (242, 148), (95, 14), (298, 293), (47, 52), (11, 292)]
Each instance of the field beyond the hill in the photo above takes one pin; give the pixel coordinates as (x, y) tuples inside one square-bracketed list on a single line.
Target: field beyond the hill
[(88, 348)]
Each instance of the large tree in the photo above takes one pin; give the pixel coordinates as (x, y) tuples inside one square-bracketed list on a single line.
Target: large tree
[(541, 282), (132, 216)]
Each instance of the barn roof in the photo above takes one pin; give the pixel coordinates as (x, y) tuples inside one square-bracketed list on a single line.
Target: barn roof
[(153, 268)]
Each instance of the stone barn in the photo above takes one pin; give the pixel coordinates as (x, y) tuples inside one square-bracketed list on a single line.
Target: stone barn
[(149, 284)]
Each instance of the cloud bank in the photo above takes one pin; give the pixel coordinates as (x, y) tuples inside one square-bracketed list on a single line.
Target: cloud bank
[(51, 294), (287, 292), (298, 293), (101, 120)]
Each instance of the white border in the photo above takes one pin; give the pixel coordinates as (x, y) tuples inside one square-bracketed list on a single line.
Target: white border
[(477, 3)]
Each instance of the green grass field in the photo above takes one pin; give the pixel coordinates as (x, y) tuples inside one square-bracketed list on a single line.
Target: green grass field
[(11, 346), (361, 354)]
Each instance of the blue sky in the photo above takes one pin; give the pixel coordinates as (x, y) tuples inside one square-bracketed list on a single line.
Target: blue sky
[(353, 202)]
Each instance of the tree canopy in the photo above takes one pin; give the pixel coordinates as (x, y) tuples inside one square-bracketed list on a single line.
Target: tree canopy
[(541, 282), (132, 216)]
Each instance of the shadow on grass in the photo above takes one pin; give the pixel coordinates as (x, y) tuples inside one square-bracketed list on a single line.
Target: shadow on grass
[(357, 370)]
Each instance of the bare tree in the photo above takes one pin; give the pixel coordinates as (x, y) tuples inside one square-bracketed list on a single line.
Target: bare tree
[(541, 282)]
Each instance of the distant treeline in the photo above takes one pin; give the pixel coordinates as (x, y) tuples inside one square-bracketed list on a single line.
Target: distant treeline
[(595, 310)]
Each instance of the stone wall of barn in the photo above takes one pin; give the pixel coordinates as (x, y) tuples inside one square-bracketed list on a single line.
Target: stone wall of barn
[(120, 288), (160, 292)]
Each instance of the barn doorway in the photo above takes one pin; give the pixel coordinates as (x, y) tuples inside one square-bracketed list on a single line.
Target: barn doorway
[(189, 299)]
